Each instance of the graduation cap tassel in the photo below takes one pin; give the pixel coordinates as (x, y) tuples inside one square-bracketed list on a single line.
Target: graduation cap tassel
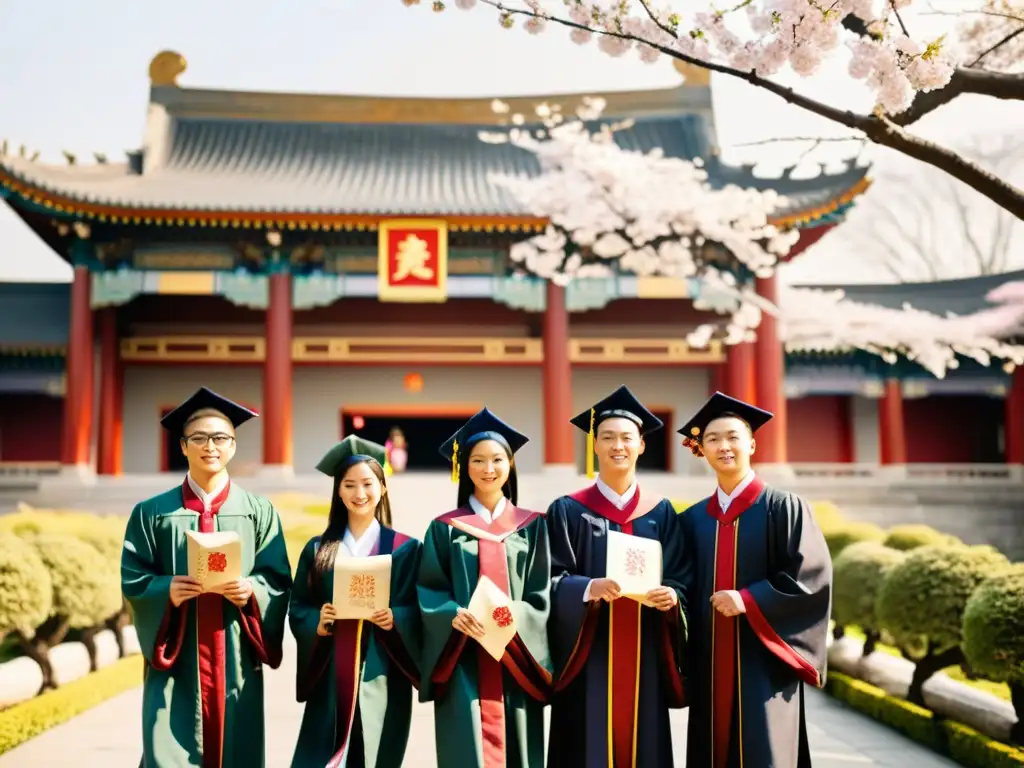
[(590, 447), (455, 461)]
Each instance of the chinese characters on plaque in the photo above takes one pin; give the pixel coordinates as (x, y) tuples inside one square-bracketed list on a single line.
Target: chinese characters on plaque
[(362, 585), (634, 563), (493, 608), (413, 260), (214, 558)]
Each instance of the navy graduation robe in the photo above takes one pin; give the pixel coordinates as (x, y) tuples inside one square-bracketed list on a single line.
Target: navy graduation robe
[(618, 665), (748, 672)]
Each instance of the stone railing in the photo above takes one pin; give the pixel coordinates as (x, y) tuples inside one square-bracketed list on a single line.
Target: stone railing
[(28, 468), (911, 473)]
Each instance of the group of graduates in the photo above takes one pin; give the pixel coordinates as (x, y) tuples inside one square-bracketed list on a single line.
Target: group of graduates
[(734, 632)]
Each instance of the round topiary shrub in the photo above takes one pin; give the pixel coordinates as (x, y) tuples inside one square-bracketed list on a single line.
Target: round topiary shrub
[(922, 600), (842, 536), (26, 591), (908, 537), (993, 634), (993, 627), (86, 590), (858, 574)]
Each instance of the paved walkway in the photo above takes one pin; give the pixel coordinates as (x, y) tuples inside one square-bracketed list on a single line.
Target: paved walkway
[(108, 735)]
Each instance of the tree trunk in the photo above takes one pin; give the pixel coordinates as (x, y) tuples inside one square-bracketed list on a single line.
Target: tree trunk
[(870, 641), (928, 666), (838, 632), (89, 641), (1017, 697), (39, 652), (117, 624)]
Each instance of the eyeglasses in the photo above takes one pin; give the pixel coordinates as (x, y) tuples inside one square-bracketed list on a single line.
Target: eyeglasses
[(201, 440)]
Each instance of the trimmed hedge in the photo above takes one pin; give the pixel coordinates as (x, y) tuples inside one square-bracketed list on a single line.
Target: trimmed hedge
[(908, 537), (858, 573), (955, 740), (27, 720), (842, 536), (993, 627)]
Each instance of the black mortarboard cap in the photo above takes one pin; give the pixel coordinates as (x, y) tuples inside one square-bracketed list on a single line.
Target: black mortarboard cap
[(482, 422), (619, 404), (205, 398), (336, 459), (718, 405)]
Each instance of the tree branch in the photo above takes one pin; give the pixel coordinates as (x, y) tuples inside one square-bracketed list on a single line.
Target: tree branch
[(877, 127), (982, 82)]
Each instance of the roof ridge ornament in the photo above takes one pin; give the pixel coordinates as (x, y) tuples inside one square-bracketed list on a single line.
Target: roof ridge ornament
[(165, 68), (694, 76)]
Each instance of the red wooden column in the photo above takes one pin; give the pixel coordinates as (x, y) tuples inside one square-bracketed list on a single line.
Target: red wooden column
[(891, 430), (769, 380), (739, 372), (558, 434), (1014, 418), (277, 376), (77, 429), (109, 460)]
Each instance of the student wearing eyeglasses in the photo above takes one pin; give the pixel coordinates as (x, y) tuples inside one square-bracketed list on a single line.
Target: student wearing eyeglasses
[(202, 702)]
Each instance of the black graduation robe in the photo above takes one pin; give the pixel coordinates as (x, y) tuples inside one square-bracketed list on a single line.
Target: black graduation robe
[(745, 691), (619, 665)]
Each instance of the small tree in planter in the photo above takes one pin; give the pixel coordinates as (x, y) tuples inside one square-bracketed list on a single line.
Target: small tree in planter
[(858, 574), (993, 636), (108, 538), (921, 605), (86, 593), (908, 537), (26, 592)]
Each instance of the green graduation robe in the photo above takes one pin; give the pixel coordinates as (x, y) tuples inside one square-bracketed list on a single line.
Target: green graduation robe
[(486, 713), (202, 701), (356, 720)]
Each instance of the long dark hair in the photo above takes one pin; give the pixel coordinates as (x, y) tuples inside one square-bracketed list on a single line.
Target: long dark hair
[(511, 487), (337, 521)]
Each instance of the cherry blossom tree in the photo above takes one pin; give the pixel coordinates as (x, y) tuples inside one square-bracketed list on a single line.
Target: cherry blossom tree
[(612, 210), (755, 39)]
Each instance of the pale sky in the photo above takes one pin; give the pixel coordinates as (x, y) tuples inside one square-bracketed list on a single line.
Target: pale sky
[(75, 78)]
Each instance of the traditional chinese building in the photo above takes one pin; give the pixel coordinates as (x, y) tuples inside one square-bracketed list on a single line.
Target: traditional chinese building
[(340, 263)]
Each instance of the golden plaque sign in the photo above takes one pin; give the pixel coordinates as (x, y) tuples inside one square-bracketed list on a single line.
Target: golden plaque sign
[(413, 260)]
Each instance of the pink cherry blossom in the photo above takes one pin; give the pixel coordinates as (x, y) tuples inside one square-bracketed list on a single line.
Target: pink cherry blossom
[(801, 33), (619, 211)]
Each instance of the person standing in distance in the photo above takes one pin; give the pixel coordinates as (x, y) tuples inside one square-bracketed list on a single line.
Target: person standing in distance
[(202, 697), (761, 603)]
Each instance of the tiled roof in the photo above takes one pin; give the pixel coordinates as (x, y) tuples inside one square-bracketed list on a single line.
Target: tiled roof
[(961, 297), (215, 163)]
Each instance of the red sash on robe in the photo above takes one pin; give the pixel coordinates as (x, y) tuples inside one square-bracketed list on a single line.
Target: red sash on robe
[(725, 674), (624, 638), (212, 650), (524, 669), (348, 665)]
